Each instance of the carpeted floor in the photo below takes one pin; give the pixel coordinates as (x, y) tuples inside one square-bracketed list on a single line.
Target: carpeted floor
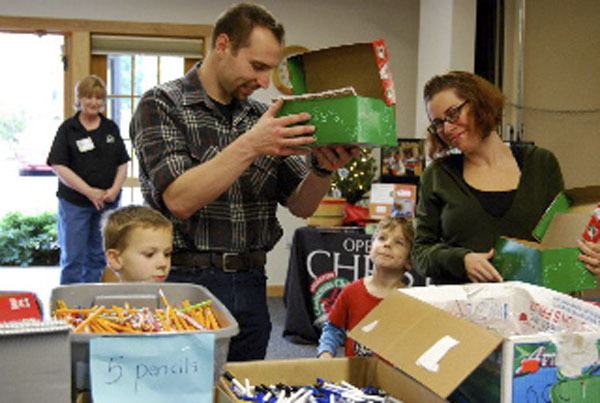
[(279, 347)]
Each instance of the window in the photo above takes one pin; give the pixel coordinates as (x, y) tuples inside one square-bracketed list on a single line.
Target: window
[(131, 65), (128, 77), (31, 109), (59, 52)]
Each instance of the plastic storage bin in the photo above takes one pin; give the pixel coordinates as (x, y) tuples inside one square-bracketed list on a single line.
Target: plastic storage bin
[(137, 295), (35, 362)]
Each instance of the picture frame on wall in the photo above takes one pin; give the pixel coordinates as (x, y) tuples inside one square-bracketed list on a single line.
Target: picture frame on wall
[(403, 163)]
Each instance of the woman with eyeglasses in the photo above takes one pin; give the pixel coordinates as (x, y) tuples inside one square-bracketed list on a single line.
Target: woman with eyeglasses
[(486, 189)]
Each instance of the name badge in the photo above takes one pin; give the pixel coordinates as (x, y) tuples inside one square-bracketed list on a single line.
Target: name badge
[(85, 145)]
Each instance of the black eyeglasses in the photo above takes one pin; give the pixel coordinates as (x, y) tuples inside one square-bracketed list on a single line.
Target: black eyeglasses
[(452, 115)]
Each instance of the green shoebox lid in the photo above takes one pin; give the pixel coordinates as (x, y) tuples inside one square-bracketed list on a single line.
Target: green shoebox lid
[(552, 260), (352, 99)]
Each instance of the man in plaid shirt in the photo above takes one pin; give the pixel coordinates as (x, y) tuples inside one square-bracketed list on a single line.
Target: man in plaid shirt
[(217, 163)]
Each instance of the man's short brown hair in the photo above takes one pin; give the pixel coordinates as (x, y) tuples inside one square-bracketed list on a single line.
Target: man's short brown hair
[(239, 21), (118, 224)]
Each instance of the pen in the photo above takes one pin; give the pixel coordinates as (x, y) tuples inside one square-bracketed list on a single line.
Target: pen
[(235, 382)]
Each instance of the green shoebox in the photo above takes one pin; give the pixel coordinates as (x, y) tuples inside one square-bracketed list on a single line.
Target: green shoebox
[(552, 261), (366, 118)]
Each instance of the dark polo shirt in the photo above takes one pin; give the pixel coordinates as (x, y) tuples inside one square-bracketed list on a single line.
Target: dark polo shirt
[(93, 155)]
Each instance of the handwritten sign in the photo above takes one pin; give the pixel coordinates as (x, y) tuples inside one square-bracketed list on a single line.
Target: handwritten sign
[(156, 368)]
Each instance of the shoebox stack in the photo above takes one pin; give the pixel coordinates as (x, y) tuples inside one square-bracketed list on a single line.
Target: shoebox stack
[(329, 213)]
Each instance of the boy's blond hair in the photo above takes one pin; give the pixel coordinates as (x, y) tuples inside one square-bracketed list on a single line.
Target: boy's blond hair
[(391, 223), (118, 224)]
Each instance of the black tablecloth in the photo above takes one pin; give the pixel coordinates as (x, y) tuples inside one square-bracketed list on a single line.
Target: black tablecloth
[(322, 261)]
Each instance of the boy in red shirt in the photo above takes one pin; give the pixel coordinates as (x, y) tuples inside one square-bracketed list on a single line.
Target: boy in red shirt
[(390, 254)]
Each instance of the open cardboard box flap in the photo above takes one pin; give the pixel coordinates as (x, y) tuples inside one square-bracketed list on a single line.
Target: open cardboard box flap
[(584, 196), (343, 66), (564, 230), (401, 329), (575, 202)]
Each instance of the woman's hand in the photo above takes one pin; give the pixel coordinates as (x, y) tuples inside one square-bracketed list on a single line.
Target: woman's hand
[(96, 196), (111, 195), (590, 255), (479, 269)]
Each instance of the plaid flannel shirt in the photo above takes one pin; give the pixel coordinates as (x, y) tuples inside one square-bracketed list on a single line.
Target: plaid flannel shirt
[(177, 126)]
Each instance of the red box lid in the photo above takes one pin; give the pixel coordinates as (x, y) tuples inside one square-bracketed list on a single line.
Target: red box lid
[(17, 306)]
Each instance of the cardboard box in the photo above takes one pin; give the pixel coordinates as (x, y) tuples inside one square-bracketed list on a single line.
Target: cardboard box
[(36, 365), (552, 260), (359, 371), (367, 118), (543, 331), (392, 199), (399, 336)]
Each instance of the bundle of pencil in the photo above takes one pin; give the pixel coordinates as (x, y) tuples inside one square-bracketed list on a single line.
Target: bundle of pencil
[(100, 319)]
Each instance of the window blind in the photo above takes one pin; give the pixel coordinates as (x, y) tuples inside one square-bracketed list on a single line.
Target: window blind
[(117, 44)]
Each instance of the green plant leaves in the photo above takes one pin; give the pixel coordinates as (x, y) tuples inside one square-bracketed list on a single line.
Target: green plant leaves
[(28, 240)]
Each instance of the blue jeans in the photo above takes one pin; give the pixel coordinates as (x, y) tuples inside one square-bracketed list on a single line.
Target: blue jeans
[(244, 293), (81, 252)]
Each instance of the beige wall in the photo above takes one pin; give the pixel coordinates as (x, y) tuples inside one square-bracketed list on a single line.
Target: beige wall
[(446, 42), (561, 73), (310, 23)]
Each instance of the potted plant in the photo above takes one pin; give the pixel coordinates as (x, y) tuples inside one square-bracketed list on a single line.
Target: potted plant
[(28, 240)]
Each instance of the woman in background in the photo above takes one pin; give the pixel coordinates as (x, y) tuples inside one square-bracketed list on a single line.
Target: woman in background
[(90, 160)]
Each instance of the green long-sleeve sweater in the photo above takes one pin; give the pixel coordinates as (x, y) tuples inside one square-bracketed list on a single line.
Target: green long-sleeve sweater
[(451, 221)]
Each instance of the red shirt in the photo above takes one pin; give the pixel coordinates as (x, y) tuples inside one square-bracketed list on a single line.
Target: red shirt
[(349, 308)]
